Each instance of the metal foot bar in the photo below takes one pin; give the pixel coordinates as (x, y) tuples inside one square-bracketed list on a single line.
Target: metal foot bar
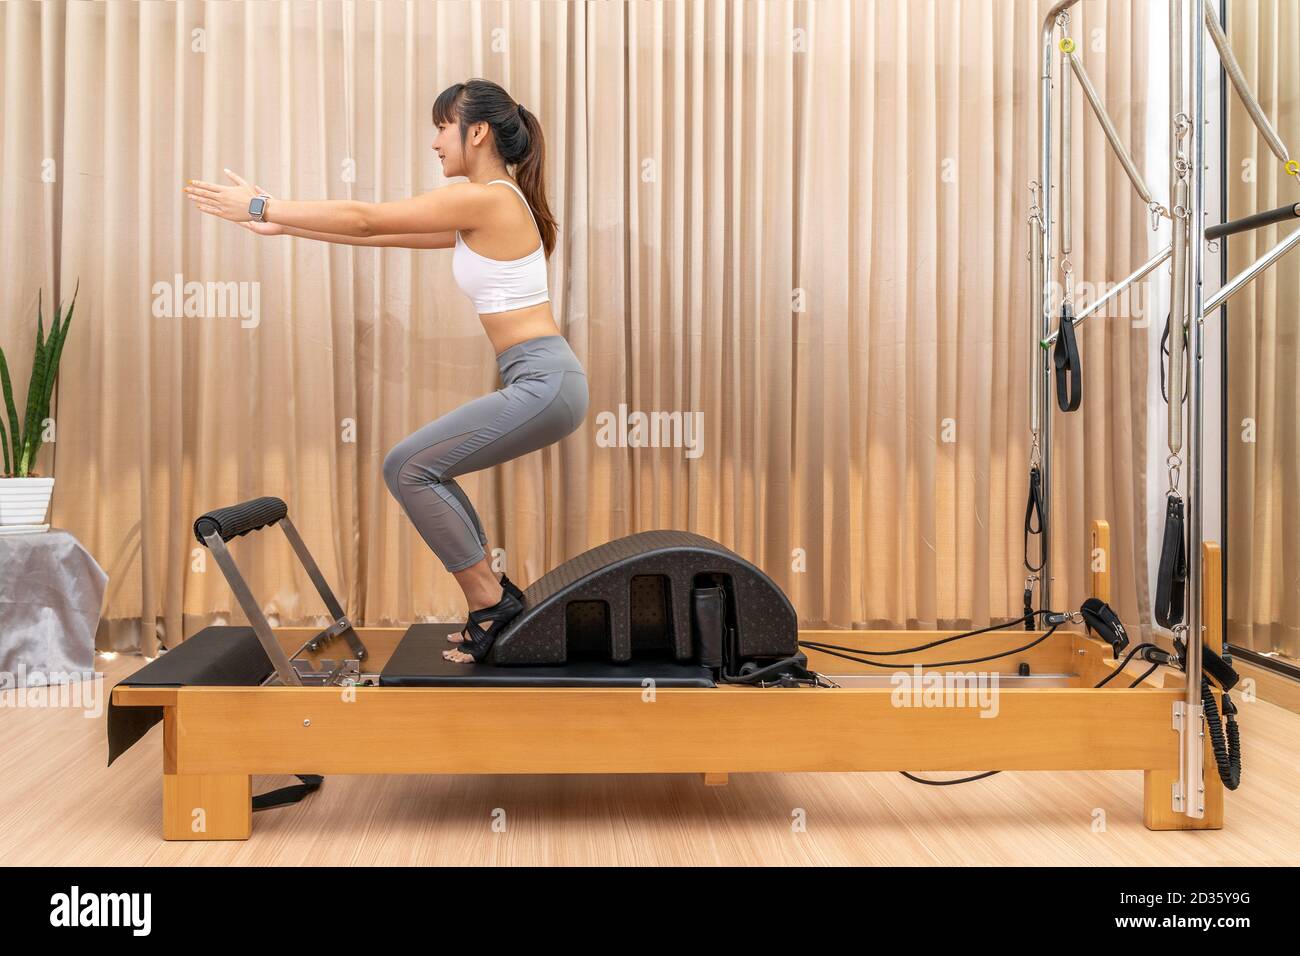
[(215, 528)]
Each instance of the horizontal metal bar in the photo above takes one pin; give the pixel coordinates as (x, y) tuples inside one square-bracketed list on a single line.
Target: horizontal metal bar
[(1254, 221), (1096, 306), (1242, 278)]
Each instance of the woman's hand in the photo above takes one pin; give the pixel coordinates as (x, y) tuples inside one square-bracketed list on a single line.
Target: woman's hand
[(263, 228), (227, 202)]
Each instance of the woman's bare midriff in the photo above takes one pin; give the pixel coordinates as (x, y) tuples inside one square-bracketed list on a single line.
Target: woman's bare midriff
[(505, 329)]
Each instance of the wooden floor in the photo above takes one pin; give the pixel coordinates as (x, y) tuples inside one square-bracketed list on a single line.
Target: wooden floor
[(60, 804)]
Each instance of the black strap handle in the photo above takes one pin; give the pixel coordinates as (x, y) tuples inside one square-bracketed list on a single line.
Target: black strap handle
[(1069, 371), (1034, 516), (1171, 579), (240, 519)]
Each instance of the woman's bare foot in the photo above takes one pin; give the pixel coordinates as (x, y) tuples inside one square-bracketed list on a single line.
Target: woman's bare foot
[(457, 656)]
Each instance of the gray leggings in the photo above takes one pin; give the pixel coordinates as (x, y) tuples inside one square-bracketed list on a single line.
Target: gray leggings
[(544, 399)]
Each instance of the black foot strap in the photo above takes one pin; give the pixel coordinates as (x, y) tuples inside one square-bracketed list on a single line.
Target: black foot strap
[(1100, 618), (291, 794), (1069, 370), (1171, 579)]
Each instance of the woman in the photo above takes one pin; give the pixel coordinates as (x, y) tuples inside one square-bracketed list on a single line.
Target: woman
[(501, 245)]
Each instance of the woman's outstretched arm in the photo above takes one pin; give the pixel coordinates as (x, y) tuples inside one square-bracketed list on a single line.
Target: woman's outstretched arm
[(405, 240), (458, 206)]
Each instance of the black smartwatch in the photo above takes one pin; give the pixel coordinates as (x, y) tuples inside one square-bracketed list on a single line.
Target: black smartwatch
[(257, 208)]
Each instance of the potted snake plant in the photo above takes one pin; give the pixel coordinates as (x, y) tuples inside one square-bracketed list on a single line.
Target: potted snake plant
[(24, 493)]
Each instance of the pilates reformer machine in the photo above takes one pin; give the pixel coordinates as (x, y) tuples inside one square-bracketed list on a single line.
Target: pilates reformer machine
[(665, 652), (660, 652)]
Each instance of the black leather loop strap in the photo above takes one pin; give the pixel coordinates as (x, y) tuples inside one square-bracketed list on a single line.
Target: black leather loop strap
[(1034, 517), (1069, 370), (1171, 579)]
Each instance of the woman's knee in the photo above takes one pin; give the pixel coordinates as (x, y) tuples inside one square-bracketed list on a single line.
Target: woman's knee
[(394, 462)]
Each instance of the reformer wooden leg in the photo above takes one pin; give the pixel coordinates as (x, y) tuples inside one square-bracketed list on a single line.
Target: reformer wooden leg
[(1158, 800), (201, 806), (207, 806), (716, 779)]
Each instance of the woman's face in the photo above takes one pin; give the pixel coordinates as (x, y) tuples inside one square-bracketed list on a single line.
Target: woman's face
[(447, 145)]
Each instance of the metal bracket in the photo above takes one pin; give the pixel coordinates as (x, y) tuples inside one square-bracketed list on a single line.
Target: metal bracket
[(1189, 788), (330, 673)]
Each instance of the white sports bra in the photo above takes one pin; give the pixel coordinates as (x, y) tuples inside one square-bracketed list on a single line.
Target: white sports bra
[(499, 285)]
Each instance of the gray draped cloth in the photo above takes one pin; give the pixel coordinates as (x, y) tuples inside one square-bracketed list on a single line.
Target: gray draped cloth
[(51, 594)]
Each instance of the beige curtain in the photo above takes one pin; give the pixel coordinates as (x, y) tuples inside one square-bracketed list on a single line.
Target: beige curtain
[(1263, 429), (802, 222)]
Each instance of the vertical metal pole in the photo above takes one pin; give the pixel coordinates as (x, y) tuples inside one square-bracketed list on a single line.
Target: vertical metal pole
[(1067, 170), (1179, 170), (1043, 370), (1036, 292), (1042, 366), (1192, 739)]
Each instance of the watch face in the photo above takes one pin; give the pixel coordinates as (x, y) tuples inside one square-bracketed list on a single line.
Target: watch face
[(257, 207)]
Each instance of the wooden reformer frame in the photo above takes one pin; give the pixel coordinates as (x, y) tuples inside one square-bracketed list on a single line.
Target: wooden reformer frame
[(215, 739)]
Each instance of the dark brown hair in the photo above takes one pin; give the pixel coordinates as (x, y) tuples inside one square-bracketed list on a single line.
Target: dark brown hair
[(518, 137)]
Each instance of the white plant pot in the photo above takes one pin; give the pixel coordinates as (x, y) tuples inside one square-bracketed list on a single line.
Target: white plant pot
[(24, 501)]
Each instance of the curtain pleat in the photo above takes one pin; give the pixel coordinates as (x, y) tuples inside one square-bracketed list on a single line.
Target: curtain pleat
[(1263, 395)]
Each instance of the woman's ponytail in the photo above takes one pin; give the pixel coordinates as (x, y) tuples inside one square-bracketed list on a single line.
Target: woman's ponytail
[(530, 171)]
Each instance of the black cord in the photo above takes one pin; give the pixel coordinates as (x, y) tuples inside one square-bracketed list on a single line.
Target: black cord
[(818, 645), (947, 783), (1149, 671), (825, 649), (1123, 664)]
